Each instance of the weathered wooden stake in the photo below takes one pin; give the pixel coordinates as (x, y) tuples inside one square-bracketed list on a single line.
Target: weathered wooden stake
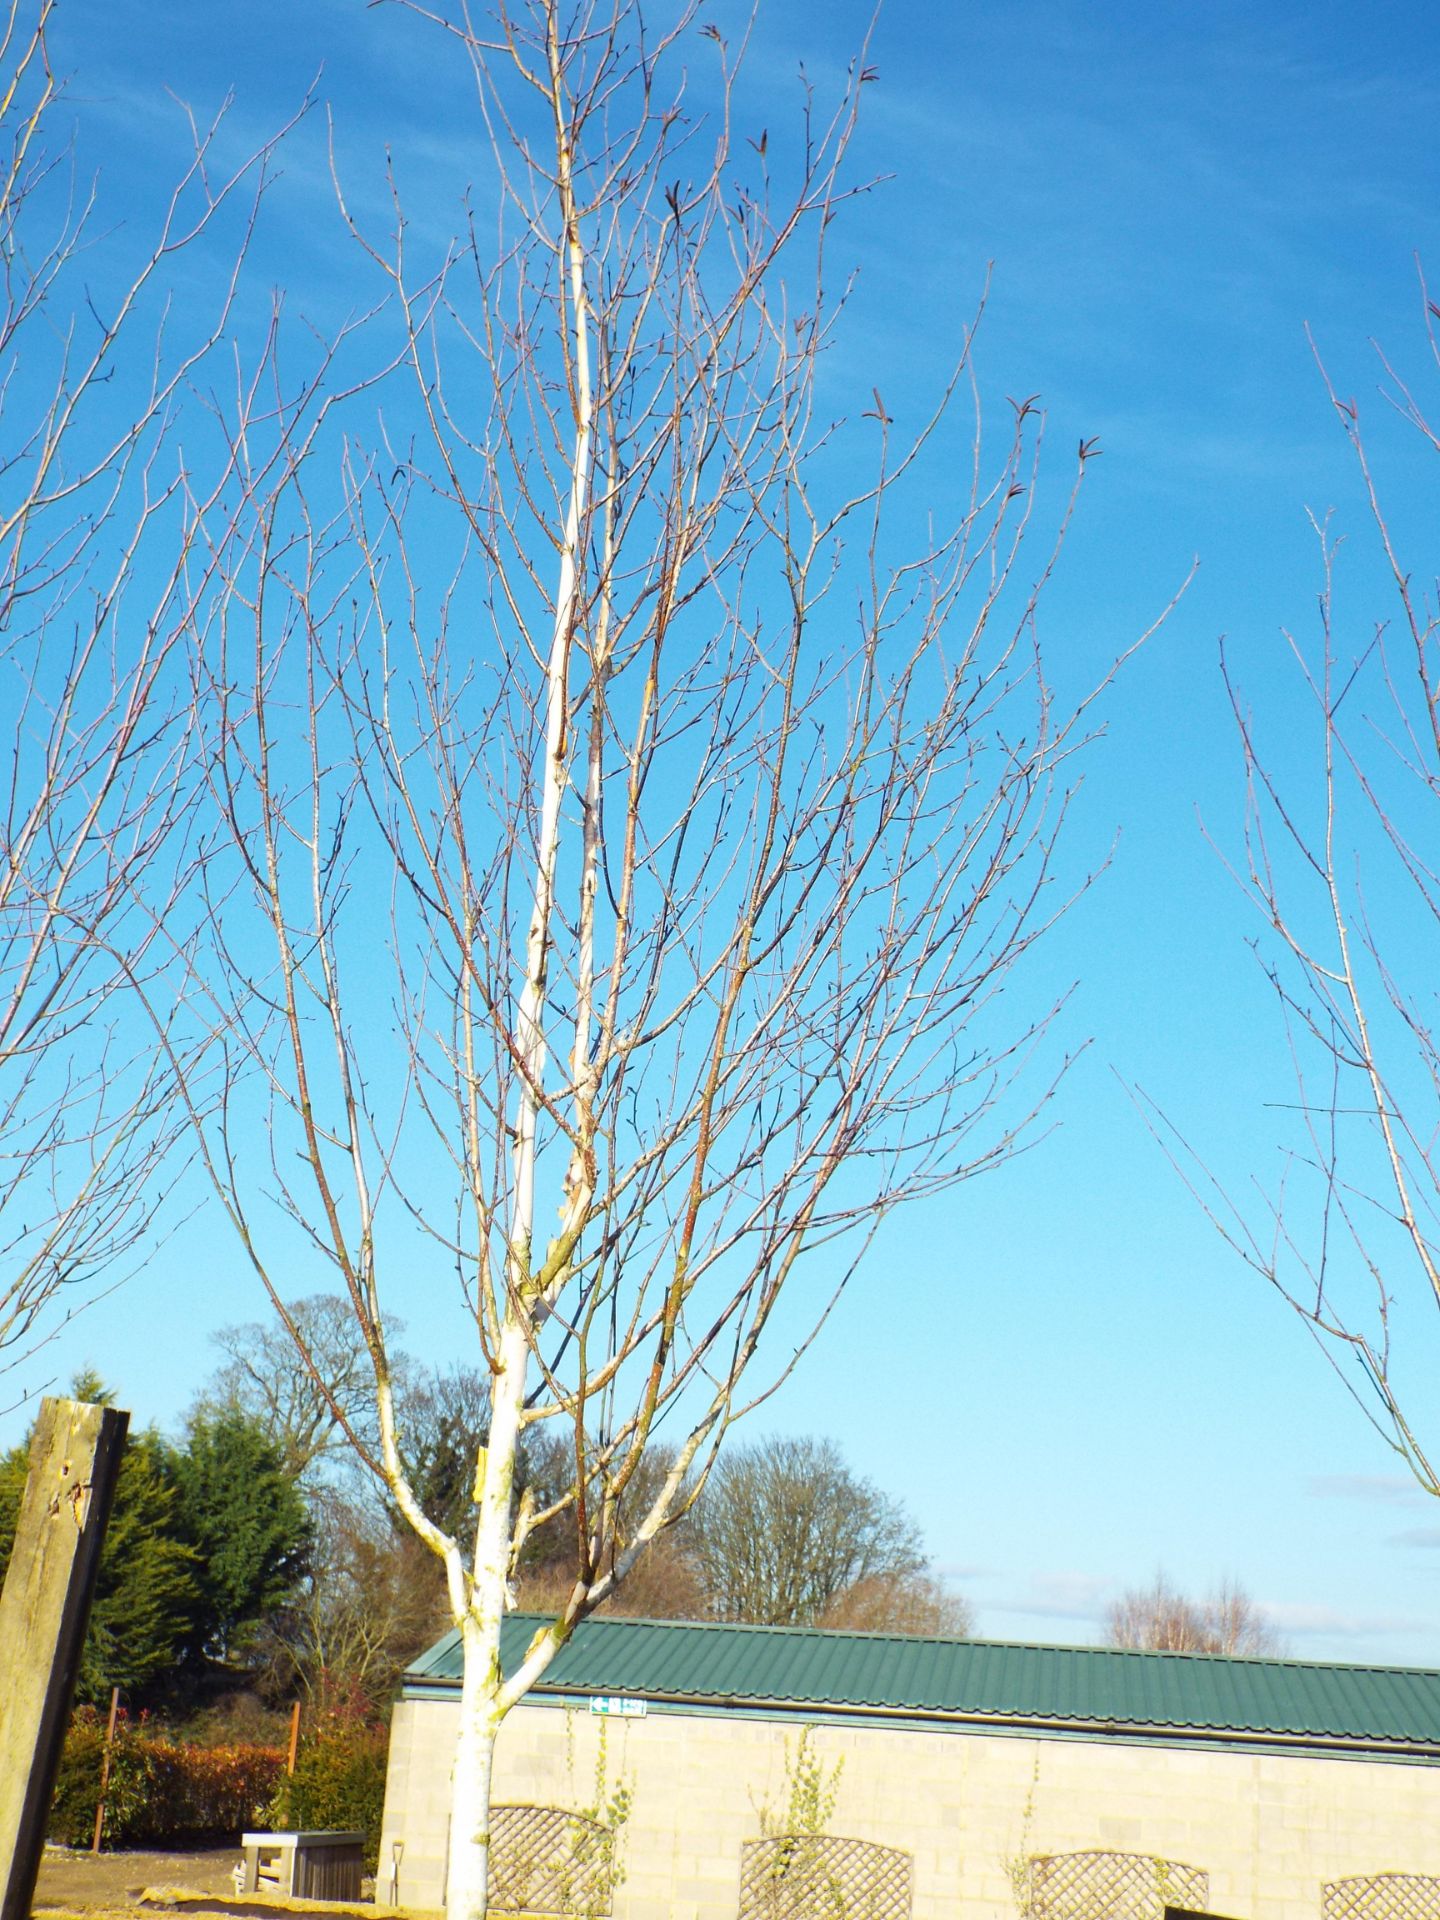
[(294, 1738), (74, 1458)]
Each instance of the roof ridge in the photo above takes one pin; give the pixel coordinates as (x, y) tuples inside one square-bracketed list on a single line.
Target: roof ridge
[(1244, 1660)]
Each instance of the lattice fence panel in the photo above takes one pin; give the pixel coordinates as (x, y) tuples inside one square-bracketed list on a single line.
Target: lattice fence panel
[(1112, 1886), (1383, 1896), (822, 1877), (547, 1860)]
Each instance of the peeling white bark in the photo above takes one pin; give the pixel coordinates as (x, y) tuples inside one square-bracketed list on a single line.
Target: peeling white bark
[(467, 1882), (483, 1699)]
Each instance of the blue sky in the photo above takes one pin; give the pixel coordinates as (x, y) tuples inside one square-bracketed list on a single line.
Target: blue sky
[(1060, 1367)]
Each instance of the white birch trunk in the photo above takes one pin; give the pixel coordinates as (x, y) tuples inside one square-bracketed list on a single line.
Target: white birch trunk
[(483, 1699), (468, 1882)]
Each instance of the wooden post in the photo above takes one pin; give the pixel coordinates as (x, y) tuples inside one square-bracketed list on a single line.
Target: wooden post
[(74, 1458), (294, 1738), (105, 1768)]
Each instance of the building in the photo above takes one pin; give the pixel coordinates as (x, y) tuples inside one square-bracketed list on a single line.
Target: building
[(770, 1773)]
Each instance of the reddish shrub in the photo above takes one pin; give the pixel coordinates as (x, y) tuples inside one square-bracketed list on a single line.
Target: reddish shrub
[(160, 1789)]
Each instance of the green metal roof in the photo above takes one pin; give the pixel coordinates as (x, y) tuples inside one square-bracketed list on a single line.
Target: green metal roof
[(1186, 1696)]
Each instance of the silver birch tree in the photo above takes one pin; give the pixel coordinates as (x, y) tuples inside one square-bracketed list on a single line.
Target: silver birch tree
[(642, 783)]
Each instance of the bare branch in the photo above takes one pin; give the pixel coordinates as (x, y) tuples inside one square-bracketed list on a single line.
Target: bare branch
[(102, 562), (1340, 866)]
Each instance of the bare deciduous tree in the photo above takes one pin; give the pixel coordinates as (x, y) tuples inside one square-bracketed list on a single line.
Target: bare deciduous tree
[(664, 1584), (372, 1600), (784, 1530), (1342, 867), (98, 573), (645, 835), (911, 1603), (1163, 1620), (783, 1534), (300, 1408)]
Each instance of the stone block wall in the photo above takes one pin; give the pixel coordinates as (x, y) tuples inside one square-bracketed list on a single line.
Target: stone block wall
[(1269, 1828)]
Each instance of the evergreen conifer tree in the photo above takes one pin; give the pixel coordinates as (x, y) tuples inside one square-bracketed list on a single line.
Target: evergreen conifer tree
[(245, 1519)]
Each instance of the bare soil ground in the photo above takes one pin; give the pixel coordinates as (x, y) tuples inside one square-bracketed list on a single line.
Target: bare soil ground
[(77, 1882)]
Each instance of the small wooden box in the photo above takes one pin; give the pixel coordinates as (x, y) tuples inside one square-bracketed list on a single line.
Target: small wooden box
[(304, 1866)]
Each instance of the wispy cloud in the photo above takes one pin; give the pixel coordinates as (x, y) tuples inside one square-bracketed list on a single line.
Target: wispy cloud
[(1059, 1593), (965, 1570), (1304, 1621)]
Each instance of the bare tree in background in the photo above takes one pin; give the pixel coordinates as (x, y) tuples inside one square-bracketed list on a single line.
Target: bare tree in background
[(920, 1604), (784, 1530), (1164, 1620), (646, 825), (300, 1408), (1342, 863), (371, 1601), (97, 585), (664, 1583)]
